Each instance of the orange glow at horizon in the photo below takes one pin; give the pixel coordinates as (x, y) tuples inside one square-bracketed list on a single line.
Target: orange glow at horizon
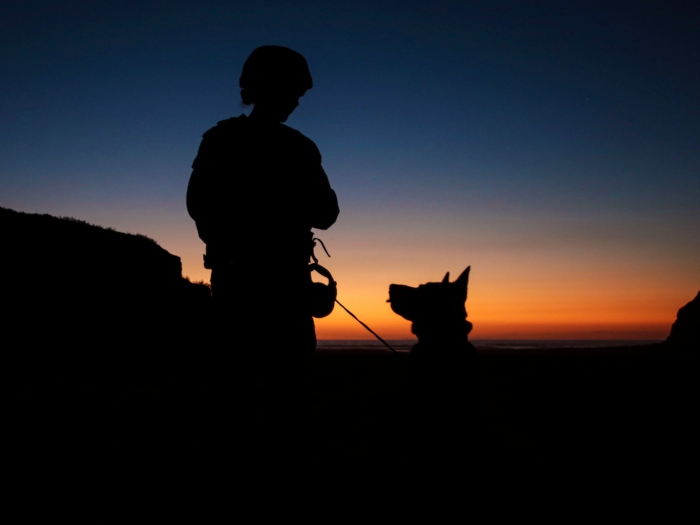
[(550, 304), (544, 288)]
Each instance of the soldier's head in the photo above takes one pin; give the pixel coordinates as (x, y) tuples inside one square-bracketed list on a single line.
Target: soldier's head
[(273, 79)]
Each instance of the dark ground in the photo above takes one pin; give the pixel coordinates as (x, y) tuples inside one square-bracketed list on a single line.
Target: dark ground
[(599, 424)]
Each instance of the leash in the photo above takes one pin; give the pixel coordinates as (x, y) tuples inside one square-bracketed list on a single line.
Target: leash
[(367, 327), (313, 256)]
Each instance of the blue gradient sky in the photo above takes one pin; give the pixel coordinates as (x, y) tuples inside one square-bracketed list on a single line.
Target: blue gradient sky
[(554, 146)]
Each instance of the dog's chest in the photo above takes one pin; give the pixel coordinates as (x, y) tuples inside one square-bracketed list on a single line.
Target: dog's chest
[(442, 351)]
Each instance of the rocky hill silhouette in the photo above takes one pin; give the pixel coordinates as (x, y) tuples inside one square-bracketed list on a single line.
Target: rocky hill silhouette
[(79, 296), (685, 332)]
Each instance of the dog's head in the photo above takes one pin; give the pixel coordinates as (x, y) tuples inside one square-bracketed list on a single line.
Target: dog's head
[(440, 302)]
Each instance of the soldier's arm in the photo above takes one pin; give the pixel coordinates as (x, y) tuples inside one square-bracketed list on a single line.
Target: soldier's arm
[(200, 193), (324, 202)]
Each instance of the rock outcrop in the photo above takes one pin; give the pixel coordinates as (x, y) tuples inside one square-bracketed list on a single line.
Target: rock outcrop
[(81, 295), (685, 332)]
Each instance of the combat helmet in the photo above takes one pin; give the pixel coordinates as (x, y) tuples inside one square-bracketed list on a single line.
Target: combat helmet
[(275, 67)]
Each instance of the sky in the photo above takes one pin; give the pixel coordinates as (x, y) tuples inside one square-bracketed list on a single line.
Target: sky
[(553, 146)]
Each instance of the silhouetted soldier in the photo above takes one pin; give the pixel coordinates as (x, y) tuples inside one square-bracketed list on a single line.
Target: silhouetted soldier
[(256, 190)]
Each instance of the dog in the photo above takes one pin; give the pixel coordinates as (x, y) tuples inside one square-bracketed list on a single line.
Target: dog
[(442, 403)]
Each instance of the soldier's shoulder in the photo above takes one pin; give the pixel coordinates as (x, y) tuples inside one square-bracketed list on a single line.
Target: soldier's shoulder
[(301, 141), (225, 127), (216, 138)]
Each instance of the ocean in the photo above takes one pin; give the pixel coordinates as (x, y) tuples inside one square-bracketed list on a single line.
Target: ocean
[(404, 345)]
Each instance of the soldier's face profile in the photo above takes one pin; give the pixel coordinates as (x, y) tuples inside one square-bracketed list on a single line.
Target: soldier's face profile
[(287, 103), (281, 103)]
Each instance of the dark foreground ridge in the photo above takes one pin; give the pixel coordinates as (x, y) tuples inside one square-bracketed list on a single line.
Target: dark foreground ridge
[(85, 299), (105, 375)]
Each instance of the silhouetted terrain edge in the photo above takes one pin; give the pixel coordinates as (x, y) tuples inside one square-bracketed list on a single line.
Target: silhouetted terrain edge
[(685, 332), (78, 295)]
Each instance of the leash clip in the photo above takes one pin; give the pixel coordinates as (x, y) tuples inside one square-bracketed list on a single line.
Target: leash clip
[(313, 245)]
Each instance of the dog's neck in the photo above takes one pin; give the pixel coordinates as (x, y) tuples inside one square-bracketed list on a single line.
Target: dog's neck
[(443, 335)]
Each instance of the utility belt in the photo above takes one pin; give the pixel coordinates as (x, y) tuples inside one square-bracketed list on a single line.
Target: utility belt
[(297, 253), (321, 296)]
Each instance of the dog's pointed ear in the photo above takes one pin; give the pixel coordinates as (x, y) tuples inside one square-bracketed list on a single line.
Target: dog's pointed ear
[(462, 281), (446, 279)]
